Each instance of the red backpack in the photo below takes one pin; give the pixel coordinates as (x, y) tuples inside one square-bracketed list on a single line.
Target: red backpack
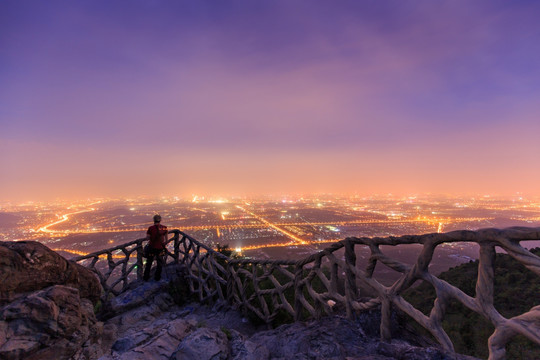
[(156, 236)]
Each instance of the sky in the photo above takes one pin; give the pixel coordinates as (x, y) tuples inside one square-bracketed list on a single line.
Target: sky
[(128, 98)]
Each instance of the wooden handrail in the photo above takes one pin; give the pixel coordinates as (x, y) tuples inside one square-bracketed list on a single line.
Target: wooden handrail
[(268, 287)]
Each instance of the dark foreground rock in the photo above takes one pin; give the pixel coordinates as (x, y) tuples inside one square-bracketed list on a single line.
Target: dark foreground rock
[(54, 323), (28, 266), (199, 332)]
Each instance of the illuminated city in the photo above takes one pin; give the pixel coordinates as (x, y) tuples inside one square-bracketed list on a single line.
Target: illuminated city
[(265, 227)]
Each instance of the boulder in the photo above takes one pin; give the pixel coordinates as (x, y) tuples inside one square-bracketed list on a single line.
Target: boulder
[(154, 342), (53, 323), (200, 332), (244, 349), (317, 340), (27, 266), (141, 295), (336, 338), (150, 331), (402, 350), (203, 344), (144, 315)]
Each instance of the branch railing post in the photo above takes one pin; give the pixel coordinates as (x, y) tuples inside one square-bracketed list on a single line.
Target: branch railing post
[(351, 291), (386, 320), (334, 278), (486, 276), (298, 289), (176, 248), (230, 283), (140, 251)]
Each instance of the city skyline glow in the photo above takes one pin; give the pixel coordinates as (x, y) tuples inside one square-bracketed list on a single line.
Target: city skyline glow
[(101, 99)]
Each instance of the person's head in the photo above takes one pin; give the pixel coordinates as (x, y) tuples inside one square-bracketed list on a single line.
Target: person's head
[(157, 219)]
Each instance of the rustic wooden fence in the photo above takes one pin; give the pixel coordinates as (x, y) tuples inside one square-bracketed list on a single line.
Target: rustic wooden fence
[(122, 265), (331, 278)]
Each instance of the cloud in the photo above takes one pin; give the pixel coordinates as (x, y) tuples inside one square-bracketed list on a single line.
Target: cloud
[(273, 96)]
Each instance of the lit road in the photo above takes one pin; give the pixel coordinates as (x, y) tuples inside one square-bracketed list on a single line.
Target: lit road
[(275, 227), (64, 218)]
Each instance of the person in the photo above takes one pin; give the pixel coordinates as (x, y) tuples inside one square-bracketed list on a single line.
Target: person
[(157, 238)]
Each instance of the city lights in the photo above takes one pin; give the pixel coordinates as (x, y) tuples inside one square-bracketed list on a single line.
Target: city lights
[(255, 226)]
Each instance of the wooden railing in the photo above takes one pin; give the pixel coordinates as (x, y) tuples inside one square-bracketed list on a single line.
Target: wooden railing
[(312, 287), (122, 265)]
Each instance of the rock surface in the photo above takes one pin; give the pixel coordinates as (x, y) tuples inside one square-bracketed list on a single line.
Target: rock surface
[(199, 332), (28, 266), (203, 343), (54, 323)]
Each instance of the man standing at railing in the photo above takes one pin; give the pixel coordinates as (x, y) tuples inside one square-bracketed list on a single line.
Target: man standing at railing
[(157, 238)]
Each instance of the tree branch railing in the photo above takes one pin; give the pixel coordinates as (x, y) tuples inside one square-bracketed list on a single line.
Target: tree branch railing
[(114, 275), (311, 287)]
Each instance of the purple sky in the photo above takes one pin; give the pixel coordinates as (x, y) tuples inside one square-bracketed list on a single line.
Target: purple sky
[(180, 97)]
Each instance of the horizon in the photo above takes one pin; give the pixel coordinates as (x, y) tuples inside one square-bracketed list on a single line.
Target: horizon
[(279, 197), (141, 98)]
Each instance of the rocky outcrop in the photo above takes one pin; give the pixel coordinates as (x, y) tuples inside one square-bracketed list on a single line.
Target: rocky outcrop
[(162, 330), (46, 305), (46, 312), (28, 266), (203, 343), (54, 323)]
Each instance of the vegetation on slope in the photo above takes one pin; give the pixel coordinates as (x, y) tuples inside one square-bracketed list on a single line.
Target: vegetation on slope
[(516, 290)]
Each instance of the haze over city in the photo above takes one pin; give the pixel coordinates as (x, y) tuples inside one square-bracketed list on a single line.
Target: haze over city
[(150, 98)]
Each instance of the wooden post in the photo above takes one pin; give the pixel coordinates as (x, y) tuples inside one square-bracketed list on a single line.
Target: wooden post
[(351, 291), (334, 278), (484, 285), (386, 319), (230, 283), (298, 288), (140, 260), (176, 248)]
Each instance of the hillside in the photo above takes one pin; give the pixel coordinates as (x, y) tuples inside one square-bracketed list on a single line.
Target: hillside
[(517, 290), (103, 286), (48, 310)]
